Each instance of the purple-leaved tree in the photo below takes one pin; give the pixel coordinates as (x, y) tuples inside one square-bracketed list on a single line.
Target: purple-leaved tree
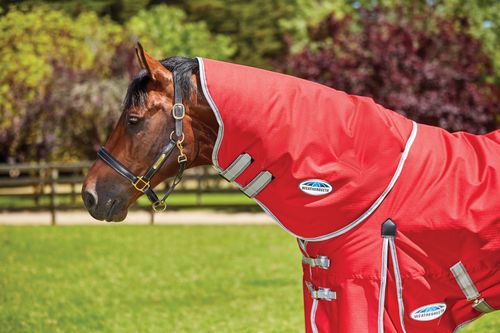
[(419, 64)]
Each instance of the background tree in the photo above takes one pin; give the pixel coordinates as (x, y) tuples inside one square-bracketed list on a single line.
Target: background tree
[(118, 10), (62, 78), (419, 64), (482, 17), (166, 32), (65, 64), (44, 52), (257, 27)]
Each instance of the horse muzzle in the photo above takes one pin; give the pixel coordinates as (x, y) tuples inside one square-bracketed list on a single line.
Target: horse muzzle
[(104, 207)]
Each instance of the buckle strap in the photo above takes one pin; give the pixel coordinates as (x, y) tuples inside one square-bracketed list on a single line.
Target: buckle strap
[(481, 306), (469, 289), (321, 293), (319, 261), (257, 184), (464, 281), (237, 167)]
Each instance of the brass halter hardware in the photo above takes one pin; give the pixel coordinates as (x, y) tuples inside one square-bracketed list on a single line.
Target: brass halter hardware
[(140, 184)]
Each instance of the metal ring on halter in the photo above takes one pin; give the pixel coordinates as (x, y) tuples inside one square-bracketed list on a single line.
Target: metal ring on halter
[(159, 206), (178, 141)]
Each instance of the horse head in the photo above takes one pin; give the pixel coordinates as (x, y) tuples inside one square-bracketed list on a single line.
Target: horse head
[(165, 127)]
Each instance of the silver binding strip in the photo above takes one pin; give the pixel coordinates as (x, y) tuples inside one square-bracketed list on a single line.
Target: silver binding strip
[(389, 245), (321, 293), (383, 283), (399, 284), (319, 261), (314, 308), (237, 167), (257, 184), (469, 289)]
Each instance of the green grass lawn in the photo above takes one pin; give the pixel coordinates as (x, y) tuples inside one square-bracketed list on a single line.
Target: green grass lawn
[(121, 278)]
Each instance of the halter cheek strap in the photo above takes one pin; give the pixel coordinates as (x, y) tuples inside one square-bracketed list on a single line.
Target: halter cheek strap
[(143, 183)]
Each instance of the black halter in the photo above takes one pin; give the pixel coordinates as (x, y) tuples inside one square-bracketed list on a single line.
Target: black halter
[(143, 183)]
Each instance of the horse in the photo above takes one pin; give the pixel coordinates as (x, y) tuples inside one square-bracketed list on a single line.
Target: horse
[(397, 222)]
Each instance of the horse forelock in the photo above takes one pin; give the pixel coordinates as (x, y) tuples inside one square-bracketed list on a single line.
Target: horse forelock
[(183, 67)]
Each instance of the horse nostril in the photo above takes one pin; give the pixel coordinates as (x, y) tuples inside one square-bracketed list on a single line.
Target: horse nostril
[(89, 200)]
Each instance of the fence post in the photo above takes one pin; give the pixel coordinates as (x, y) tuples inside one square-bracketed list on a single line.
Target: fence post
[(54, 175), (73, 194), (38, 188), (199, 178), (151, 217)]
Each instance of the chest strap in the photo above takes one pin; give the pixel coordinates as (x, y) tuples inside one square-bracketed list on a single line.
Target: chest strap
[(319, 261), (257, 184), (237, 167), (469, 289), (321, 293)]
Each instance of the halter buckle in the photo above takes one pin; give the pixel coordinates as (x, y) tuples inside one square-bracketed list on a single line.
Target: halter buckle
[(182, 158), (159, 206), (141, 187), (178, 111)]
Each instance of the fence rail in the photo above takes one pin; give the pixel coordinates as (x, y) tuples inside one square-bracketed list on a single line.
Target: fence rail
[(56, 187)]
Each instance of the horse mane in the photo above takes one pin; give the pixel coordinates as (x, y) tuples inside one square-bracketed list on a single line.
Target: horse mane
[(184, 67)]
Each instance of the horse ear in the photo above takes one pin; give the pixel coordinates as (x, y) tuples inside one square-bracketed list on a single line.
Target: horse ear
[(139, 57), (155, 69)]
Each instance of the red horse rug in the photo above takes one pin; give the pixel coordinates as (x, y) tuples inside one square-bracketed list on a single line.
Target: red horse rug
[(397, 221)]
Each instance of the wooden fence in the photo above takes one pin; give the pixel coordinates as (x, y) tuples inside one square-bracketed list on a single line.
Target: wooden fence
[(56, 186)]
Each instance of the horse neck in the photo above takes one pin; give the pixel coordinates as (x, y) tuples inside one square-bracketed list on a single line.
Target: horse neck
[(205, 128)]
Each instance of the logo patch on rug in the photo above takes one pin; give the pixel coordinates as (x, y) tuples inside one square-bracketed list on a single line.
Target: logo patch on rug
[(428, 312), (315, 187)]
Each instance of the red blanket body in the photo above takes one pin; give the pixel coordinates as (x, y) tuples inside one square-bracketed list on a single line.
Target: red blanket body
[(445, 202)]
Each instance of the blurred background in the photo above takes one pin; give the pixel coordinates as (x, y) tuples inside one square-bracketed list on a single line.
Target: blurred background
[(64, 69), (65, 66)]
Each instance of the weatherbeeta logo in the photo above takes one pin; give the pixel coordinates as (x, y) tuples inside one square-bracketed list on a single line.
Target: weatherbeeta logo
[(315, 187), (428, 312)]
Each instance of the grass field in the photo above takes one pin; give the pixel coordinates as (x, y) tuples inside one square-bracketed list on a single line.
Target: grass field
[(121, 278)]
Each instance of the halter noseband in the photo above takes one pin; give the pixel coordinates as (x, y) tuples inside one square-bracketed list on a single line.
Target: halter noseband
[(143, 183)]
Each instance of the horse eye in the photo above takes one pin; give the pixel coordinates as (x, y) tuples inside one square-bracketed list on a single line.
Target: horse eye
[(132, 120)]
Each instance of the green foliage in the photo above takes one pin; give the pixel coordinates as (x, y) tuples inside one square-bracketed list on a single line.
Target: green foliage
[(483, 18), (480, 18), (255, 26), (62, 78), (55, 49), (44, 51), (420, 64), (118, 10), (165, 32), (307, 14)]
